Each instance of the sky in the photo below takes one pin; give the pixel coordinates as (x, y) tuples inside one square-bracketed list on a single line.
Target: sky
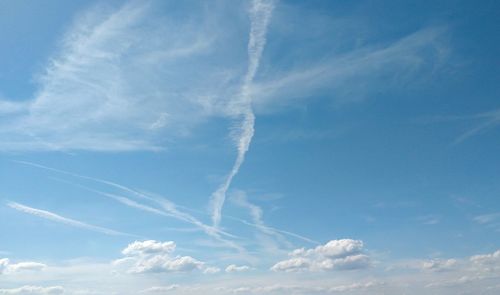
[(249, 147)]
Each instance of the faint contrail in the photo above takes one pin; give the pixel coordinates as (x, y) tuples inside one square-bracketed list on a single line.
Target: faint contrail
[(260, 14), (168, 208), (57, 218)]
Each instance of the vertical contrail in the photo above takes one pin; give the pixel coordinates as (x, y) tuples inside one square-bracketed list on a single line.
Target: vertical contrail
[(260, 14)]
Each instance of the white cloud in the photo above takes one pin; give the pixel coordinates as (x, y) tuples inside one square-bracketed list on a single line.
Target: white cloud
[(293, 264), (161, 289), (7, 267), (237, 268), (335, 255), (149, 247), (152, 256), (337, 248), (487, 260), (470, 275), (22, 266), (34, 290), (439, 264)]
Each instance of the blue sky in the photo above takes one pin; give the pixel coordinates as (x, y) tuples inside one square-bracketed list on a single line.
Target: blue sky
[(251, 147)]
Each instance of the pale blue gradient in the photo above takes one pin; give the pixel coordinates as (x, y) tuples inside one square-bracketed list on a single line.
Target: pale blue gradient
[(374, 120)]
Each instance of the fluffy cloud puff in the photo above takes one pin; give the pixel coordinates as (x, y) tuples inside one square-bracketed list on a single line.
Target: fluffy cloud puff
[(235, 268), (149, 247), (487, 259), (7, 267), (487, 262), (334, 255), (152, 256)]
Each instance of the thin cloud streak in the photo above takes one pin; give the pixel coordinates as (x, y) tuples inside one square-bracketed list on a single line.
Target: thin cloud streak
[(239, 198), (260, 15), (266, 228), (490, 120), (356, 73), (68, 221), (168, 207)]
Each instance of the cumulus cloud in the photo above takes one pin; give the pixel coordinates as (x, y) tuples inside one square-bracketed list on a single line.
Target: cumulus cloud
[(153, 256), (335, 255), (439, 264), (149, 247), (7, 267), (491, 260), (34, 290), (237, 268)]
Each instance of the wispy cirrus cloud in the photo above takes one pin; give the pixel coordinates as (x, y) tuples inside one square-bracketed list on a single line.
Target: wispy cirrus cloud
[(160, 206), (488, 120), (128, 79), (487, 218), (64, 220), (120, 81), (271, 238), (480, 122), (353, 75)]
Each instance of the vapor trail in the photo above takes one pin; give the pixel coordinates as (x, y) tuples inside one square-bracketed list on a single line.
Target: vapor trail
[(168, 208), (260, 15), (57, 218)]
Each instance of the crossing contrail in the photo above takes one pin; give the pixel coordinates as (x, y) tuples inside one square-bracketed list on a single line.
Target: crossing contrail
[(260, 14)]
